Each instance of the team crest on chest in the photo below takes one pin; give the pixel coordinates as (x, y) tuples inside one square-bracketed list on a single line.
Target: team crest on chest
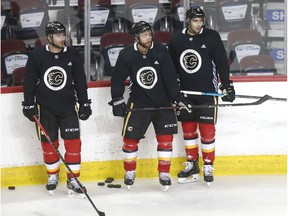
[(147, 77), (190, 61), (55, 78)]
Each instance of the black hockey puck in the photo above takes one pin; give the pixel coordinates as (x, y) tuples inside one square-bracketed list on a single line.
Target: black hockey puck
[(101, 183), (11, 187), (110, 185), (108, 181), (117, 185)]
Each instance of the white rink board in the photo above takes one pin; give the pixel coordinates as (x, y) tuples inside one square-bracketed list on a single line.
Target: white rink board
[(250, 130)]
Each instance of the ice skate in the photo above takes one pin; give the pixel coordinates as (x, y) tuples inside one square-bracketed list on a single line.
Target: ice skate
[(208, 174), (129, 178), (74, 189), (52, 183), (190, 172), (165, 181)]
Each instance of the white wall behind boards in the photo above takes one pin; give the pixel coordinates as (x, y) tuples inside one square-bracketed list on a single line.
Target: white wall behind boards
[(248, 130)]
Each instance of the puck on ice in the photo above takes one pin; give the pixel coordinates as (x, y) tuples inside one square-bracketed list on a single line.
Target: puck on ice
[(117, 185), (11, 187), (101, 183), (110, 185), (110, 179)]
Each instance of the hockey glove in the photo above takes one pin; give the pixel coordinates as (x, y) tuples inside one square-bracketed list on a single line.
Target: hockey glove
[(184, 102), (119, 106), (85, 110), (29, 110), (227, 89)]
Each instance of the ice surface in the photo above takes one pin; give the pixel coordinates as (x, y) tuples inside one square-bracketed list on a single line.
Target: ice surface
[(259, 195)]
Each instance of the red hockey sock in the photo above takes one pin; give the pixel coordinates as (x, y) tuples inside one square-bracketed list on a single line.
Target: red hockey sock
[(164, 150), (130, 149), (190, 136), (50, 156), (207, 142), (73, 156)]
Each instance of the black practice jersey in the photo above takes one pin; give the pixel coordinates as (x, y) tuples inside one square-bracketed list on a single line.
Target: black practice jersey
[(57, 80), (200, 60), (152, 76)]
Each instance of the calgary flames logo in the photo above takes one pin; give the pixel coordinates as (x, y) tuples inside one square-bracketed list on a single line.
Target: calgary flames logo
[(55, 78), (190, 61), (147, 77)]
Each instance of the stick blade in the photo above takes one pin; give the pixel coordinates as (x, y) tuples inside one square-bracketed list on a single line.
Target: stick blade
[(101, 213), (263, 99)]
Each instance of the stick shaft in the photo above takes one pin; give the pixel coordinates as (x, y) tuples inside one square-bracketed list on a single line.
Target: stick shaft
[(238, 96), (258, 102), (66, 165)]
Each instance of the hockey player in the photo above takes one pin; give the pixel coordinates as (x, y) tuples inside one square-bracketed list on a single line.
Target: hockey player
[(54, 82), (200, 59), (153, 83)]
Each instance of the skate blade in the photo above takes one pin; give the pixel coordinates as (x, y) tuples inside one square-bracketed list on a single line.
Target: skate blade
[(208, 184), (190, 179), (73, 194), (51, 192), (128, 187), (165, 188)]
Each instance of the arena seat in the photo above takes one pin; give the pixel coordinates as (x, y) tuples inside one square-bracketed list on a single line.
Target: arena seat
[(241, 43), (31, 18), (101, 18), (162, 37), (110, 46), (257, 65), (18, 76), (13, 55), (149, 11), (232, 14), (41, 42)]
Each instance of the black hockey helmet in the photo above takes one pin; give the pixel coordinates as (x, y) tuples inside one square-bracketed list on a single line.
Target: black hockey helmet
[(140, 27), (195, 12), (54, 27)]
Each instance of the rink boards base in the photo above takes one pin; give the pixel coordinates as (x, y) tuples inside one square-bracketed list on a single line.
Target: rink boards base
[(147, 168)]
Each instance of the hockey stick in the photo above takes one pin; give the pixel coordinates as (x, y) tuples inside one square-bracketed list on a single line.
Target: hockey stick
[(238, 96), (68, 168), (258, 102)]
